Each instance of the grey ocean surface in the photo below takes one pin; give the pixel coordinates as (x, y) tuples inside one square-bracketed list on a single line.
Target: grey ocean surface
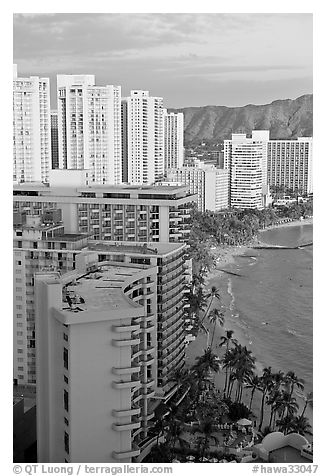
[(270, 307)]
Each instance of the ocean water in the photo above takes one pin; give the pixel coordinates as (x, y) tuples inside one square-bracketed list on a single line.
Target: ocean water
[(270, 306)]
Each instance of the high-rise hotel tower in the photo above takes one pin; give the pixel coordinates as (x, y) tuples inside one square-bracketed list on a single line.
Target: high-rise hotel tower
[(143, 144), (89, 127), (173, 140), (244, 159), (31, 129)]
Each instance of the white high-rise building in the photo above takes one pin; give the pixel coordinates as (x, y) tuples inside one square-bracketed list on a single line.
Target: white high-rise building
[(244, 158), (109, 334), (89, 127), (173, 140), (209, 183), (290, 164), (31, 129), (143, 142)]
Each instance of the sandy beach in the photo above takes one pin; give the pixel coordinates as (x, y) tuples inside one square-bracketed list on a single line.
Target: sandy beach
[(225, 256)]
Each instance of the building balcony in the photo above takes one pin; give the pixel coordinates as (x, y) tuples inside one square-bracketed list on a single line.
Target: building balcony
[(148, 393), (147, 417), (148, 361), (126, 328), (125, 370), (126, 413), (148, 351), (130, 384), (150, 383), (118, 455), (147, 327), (126, 426), (125, 342)]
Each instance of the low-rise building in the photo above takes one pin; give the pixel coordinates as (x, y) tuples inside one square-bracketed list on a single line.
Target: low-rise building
[(210, 184)]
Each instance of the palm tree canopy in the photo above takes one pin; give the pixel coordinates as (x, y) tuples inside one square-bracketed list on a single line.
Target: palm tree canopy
[(216, 315), (207, 362)]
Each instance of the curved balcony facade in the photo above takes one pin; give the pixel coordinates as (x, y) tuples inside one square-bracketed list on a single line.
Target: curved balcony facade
[(129, 384), (126, 413), (125, 342), (126, 370), (126, 426)]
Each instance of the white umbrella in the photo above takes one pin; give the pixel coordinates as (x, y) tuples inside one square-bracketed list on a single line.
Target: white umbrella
[(190, 458), (244, 422)]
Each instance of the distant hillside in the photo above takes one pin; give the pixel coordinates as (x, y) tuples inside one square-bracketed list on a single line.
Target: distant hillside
[(286, 119)]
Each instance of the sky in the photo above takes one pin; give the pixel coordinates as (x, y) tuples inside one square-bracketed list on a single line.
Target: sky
[(190, 59)]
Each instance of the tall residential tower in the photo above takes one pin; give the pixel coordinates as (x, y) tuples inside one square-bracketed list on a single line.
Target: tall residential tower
[(142, 130), (89, 127), (31, 129), (173, 140)]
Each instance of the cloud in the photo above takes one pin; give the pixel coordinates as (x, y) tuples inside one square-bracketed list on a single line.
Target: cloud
[(155, 51)]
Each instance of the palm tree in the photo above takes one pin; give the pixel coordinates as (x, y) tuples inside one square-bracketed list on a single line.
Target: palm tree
[(208, 362), (253, 382), (265, 385), (242, 363), (301, 425), (215, 316), (213, 294), (227, 340), (293, 381), (206, 428), (285, 424), (180, 377), (287, 405), (275, 401), (308, 400)]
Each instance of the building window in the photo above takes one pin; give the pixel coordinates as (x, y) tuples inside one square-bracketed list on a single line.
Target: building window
[(66, 400), (65, 358), (66, 442)]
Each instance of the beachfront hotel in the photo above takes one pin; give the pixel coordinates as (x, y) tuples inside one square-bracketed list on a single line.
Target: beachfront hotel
[(108, 333), (143, 138), (244, 159), (89, 127), (31, 128), (118, 213), (173, 140), (210, 184), (290, 164), (40, 243)]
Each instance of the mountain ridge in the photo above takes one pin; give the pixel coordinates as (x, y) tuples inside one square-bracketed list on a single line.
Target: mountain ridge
[(285, 118)]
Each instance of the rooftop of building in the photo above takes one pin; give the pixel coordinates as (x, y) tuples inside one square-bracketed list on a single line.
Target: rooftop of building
[(93, 295), (69, 237), (287, 454), (138, 247), (156, 189)]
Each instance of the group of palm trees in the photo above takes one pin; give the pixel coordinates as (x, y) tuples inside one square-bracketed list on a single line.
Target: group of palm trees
[(234, 227), (276, 389)]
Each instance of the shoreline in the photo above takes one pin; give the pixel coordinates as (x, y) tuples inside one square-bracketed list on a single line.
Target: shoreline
[(225, 257)]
